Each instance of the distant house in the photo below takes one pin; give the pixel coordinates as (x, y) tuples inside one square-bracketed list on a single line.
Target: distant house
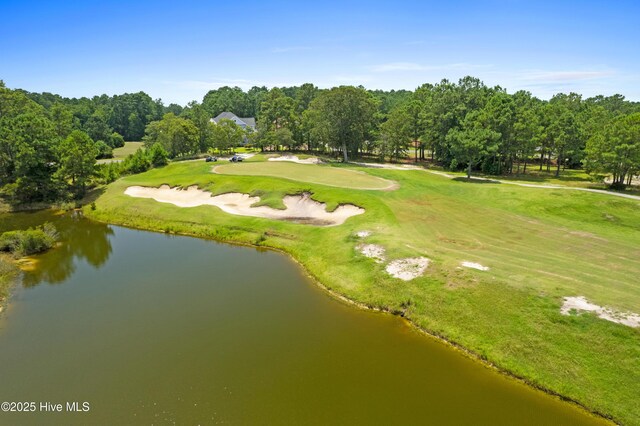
[(246, 122)]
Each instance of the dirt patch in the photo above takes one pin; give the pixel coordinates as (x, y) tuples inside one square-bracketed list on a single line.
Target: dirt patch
[(363, 234), (295, 159), (408, 269), (581, 304), (474, 265), (372, 251), (298, 208)]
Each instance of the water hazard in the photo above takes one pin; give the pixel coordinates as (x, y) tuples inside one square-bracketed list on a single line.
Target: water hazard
[(154, 329)]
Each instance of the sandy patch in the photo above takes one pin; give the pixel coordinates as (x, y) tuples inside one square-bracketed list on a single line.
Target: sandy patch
[(408, 269), (295, 159), (474, 265), (363, 234), (372, 251), (299, 208), (580, 303)]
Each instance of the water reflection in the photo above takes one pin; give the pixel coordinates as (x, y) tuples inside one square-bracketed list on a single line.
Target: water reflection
[(223, 334), (80, 239)]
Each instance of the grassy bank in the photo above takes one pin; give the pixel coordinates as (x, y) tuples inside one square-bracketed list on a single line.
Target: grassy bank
[(123, 152), (8, 274), (541, 245)]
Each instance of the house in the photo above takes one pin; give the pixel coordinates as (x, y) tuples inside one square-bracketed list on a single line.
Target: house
[(246, 122)]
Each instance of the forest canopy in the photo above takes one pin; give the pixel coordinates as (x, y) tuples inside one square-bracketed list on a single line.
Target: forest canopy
[(49, 143)]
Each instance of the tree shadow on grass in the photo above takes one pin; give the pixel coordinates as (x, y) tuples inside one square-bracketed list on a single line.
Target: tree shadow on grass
[(475, 180), (93, 195)]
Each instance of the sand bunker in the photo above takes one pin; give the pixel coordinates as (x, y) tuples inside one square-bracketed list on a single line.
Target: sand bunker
[(408, 269), (474, 265), (363, 234), (580, 303), (299, 208), (372, 251), (295, 159)]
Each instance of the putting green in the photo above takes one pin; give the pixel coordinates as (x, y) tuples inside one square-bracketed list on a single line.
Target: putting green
[(540, 245), (311, 173)]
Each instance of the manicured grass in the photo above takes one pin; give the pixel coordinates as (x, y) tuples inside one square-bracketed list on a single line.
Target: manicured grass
[(540, 244), (317, 174), (567, 177), (128, 149), (121, 153)]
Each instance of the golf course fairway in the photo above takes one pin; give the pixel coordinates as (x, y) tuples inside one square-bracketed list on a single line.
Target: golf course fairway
[(500, 259)]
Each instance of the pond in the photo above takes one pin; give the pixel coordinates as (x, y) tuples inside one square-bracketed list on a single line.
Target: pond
[(150, 328)]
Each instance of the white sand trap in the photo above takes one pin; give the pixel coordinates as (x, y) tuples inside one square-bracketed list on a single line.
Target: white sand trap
[(295, 159), (408, 269), (299, 208), (363, 234), (372, 251), (580, 303), (474, 265)]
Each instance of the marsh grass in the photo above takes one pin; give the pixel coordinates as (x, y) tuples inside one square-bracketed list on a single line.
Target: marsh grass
[(540, 244), (8, 273)]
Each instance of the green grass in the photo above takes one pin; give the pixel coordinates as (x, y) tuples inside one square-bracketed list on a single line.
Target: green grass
[(541, 245), (121, 153), (578, 178), (316, 174), (8, 273)]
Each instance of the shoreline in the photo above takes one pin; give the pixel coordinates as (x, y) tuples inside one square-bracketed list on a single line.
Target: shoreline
[(400, 314), (9, 281)]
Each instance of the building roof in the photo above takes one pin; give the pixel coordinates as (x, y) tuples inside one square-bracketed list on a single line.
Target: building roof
[(242, 122)]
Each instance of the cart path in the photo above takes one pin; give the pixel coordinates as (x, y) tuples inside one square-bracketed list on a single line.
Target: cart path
[(532, 185)]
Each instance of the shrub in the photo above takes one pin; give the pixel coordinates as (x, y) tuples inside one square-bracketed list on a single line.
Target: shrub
[(104, 150), (109, 172), (31, 241), (116, 140), (158, 155), (137, 163)]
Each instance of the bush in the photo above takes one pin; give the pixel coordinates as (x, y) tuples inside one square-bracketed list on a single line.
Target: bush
[(31, 241), (115, 140), (158, 155), (491, 167), (137, 163), (104, 150), (107, 173)]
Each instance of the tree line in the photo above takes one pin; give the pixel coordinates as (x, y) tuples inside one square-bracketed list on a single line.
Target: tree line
[(102, 116), (463, 125), (48, 144), (47, 153)]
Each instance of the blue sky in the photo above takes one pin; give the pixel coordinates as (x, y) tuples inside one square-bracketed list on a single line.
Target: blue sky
[(178, 51)]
